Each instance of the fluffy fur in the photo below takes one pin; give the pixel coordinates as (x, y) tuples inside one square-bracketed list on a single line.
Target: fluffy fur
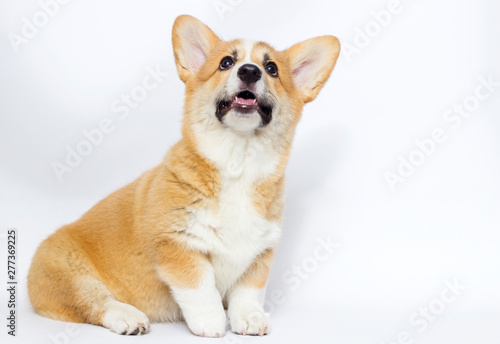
[(195, 234)]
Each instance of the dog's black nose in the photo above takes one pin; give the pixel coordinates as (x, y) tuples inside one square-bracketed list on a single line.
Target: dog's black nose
[(249, 73)]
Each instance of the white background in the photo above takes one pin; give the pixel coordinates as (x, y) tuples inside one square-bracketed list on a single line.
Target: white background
[(396, 247)]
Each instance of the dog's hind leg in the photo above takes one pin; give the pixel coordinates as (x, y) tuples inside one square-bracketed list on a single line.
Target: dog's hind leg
[(106, 311), (64, 285)]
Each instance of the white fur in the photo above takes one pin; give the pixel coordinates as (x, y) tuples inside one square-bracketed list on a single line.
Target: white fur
[(236, 234), (202, 307), (242, 122), (248, 46), (124, 319), (246, 311), (234, 237)]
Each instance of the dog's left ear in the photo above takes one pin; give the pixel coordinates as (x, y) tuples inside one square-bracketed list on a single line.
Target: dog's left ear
[(311, 63), (192, 41)]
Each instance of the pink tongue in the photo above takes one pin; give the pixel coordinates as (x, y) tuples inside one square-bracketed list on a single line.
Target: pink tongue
[(244, 101)]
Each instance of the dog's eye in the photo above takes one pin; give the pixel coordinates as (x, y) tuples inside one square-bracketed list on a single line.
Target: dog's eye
[(226, 63), (272, 69)]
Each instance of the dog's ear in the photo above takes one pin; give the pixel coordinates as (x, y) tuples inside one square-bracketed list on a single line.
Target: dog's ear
[(311, 63), (192, 41)]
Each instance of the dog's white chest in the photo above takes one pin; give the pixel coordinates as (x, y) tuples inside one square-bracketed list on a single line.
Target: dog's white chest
[(243, 233), (236, 234)]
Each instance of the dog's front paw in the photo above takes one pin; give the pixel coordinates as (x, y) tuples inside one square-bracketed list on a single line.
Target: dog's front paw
[(207, 325), (251, 323), (125, 319)]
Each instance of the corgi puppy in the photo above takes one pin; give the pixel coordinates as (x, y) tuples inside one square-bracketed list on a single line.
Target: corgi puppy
[(195, 235)]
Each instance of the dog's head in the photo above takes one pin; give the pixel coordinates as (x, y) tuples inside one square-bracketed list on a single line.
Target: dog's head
[(248, 87)]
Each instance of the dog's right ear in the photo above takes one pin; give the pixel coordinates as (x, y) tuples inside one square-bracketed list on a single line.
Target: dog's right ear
[(192, 41)]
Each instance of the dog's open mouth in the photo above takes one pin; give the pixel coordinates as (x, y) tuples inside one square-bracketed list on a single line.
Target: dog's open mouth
[(245, 102)]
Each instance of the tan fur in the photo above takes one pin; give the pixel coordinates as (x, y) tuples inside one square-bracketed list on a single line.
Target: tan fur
[(257, 274), (131, 246)]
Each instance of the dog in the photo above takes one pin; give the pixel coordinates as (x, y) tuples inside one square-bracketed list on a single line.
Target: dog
[(195, 235)]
